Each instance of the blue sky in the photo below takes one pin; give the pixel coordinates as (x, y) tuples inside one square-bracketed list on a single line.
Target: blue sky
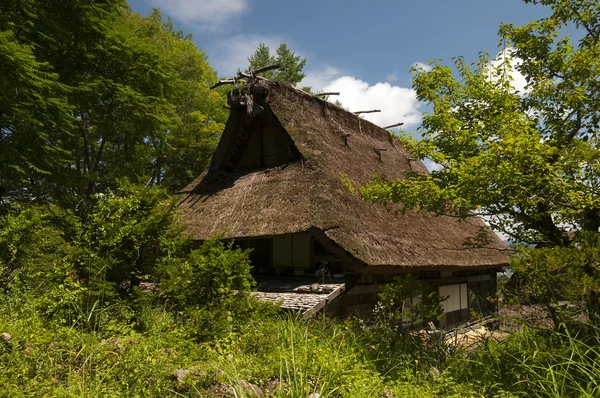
[(362, 49)]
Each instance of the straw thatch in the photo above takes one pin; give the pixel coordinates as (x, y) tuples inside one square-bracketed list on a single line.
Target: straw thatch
[(298, 188)]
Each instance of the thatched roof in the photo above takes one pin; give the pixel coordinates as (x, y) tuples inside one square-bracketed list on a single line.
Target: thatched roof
[(318, 142)]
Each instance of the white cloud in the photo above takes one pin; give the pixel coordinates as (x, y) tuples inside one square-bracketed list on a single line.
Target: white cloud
[(319, 78), (392, 77), (499, 65), (208, 14), (230, 54), (431, 165), (397, 104), (420, 65)]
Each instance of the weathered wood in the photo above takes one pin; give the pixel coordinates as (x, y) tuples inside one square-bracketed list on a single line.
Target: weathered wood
[(244, 75), (222, 83), (250, 75), (371, 111), (325, 94), (330, 297), (266, 68), (393, 125)]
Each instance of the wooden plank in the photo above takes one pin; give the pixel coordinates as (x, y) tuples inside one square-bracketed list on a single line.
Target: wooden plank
[(330, 297)]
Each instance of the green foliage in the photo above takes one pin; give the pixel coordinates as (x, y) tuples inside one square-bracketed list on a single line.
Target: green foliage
[(291, 64), (406, 301), (37, 263), (260, 58), (42, 360), (534, 364), (92, 92), (211, 288), (404, 306), (563, 279), (33, 114), (126, 236), (527, 161), (75, 271)]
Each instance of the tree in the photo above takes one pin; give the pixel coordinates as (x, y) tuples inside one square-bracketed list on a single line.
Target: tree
[(291, 64), (35, 114), (529, 162), (91, 92), (198, 117)]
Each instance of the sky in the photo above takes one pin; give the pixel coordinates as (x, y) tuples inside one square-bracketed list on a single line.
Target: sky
[(362, 49)]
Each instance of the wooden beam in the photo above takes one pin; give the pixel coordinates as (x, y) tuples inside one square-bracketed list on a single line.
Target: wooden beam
[(371, 111), (324, 94), (393, 125), (266, 68), (326, 300), (222, 83), (244, 75)]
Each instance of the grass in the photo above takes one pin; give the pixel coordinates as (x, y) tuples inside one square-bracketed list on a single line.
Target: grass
[(283, 356)]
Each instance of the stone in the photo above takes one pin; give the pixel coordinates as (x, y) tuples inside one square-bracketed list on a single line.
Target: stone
[(181, 374), (251, 389)]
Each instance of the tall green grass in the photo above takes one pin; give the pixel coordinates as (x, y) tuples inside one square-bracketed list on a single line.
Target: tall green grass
[(283, 356), (536, 363)]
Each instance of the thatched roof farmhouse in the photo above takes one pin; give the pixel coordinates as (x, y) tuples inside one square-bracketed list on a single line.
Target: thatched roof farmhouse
[(274, 184)]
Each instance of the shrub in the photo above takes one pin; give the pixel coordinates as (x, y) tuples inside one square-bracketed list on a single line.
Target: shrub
[(37, 263), (211, 288)]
